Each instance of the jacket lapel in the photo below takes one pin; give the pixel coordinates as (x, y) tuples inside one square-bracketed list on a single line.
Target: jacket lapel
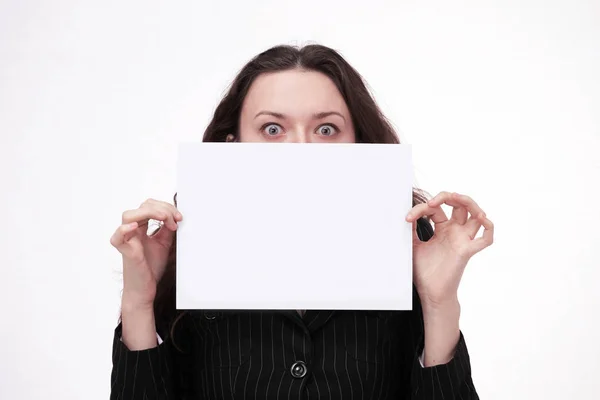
[(293, 316), (312, 321), (315, 319)]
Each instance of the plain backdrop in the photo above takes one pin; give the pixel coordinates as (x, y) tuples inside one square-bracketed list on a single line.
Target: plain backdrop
[(500, 99)]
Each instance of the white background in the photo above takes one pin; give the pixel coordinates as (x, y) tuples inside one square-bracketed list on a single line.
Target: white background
[(501, 101)]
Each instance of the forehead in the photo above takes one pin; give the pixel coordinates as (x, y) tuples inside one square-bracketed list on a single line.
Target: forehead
[(293, 92)]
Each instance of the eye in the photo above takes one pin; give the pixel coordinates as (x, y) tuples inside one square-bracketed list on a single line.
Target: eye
[(327, 130), (272, 129)]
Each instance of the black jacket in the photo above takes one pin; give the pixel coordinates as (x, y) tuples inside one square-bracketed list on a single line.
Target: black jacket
[(352, 355)]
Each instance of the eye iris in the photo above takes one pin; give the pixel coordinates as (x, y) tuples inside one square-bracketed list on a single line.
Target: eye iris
[(326, 131), (273, 130)]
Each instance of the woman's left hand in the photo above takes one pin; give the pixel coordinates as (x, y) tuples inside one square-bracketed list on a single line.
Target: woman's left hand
[(438, 264)]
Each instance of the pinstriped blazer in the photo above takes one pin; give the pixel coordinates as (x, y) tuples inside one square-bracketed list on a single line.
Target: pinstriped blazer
[(261, 354)]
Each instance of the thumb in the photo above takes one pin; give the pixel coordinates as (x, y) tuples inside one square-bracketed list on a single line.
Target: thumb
[(124, 238), (415, 236)]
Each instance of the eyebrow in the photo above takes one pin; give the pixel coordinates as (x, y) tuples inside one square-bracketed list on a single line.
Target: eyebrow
[(319, 115)]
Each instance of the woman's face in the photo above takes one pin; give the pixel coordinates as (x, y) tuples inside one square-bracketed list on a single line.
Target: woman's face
[(295, 106)]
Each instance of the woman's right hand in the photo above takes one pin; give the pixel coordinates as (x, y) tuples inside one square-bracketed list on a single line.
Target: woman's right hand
[(145, 257)]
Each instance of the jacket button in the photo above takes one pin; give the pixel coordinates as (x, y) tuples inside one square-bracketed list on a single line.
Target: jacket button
[(298, 369), (210, 315)]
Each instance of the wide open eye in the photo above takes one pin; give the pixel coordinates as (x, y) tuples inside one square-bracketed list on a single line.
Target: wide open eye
[(272, 129), (327, 130)]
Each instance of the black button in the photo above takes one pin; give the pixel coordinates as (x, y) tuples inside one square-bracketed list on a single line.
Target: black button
[(210, 315), (298, 369)]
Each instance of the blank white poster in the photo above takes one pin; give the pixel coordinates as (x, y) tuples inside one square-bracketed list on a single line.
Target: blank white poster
[(294, 226)]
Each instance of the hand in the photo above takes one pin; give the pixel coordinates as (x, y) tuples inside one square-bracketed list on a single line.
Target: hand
[(145, 257), (438, 264)]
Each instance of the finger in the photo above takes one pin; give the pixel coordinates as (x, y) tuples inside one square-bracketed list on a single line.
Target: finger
[(470, 204), (415, 235), (457, 200), (122, 235), (460, 215), (414, 212), (169, 221), (439, 199), (150, 211), (143, 215), (486, 239), (473, 225), (170, 207), (436, 214), (172, 211)]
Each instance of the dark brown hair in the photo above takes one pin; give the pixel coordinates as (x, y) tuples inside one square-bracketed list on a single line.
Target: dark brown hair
[(370, 126)]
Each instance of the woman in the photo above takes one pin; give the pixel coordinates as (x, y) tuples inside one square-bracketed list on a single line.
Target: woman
[(289, 94)]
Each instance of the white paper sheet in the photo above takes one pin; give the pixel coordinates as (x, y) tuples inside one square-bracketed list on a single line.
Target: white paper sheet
[(294, 226)]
